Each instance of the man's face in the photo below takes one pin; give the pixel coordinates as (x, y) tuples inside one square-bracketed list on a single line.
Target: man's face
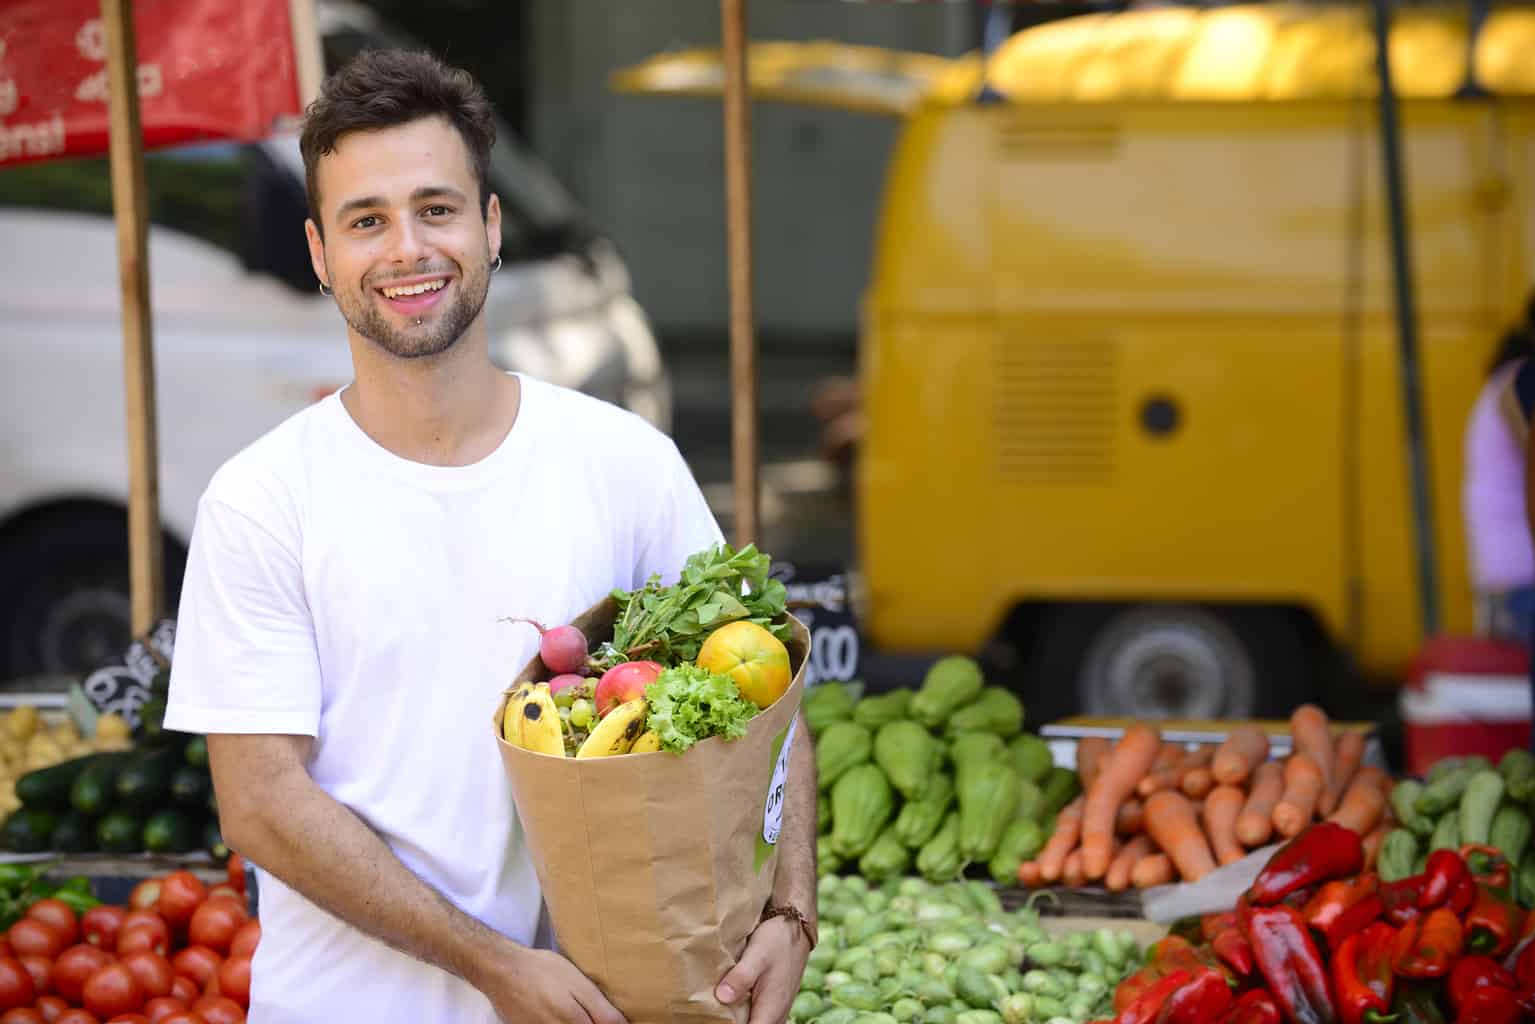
[(405, 248)]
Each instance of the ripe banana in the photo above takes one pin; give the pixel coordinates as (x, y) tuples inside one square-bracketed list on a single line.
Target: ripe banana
[(617, 731), (540, 726), (649, 742), (511, 718)]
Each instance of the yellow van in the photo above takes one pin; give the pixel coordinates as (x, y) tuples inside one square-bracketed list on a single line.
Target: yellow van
[(1129, 353)]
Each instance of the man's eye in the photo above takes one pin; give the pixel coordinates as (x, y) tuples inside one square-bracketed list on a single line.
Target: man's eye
[(438, 211), (365, 222)]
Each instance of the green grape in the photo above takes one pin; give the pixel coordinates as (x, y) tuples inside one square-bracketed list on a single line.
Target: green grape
[(581, 713)]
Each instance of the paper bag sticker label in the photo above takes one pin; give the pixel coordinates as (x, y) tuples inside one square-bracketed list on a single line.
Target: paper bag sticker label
[(772, 817)]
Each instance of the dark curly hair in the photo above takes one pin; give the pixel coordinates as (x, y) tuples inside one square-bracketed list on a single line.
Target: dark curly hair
[(385, 88)]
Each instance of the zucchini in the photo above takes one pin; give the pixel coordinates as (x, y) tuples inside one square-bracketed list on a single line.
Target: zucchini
[(120, 832), (92, 791), (196, 752), (213, 841), (74, 833), (145, 781), (1478, 804), (189, 786), (48, 788), (28, 830), (170, 831)]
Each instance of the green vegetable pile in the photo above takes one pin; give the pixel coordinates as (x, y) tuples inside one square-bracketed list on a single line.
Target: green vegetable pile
[(932, 781), (912, 951), (22, 885), (1465, 801)]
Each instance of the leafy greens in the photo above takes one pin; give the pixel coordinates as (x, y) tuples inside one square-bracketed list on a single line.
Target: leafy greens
[(688, 704)]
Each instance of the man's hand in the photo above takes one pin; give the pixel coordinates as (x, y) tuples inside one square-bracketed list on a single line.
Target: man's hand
[(769, 971), (531, 986)]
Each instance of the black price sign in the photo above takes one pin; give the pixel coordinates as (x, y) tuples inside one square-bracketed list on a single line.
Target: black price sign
[(124, 688), (818, 597)]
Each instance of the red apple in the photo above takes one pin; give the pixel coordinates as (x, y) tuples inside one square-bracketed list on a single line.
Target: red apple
[(623, 683)]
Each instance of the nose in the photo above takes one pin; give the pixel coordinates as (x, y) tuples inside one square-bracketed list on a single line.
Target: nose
[(409, 243)]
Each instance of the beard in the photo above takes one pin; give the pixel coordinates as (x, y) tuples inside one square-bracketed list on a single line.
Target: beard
[(364, 312)]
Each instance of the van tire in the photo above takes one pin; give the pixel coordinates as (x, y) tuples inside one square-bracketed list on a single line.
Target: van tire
[(64, 592), (1169, 661)]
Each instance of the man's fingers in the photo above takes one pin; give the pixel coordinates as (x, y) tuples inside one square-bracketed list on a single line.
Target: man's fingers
[(597, 1006), (739, 982), (770, 1004)]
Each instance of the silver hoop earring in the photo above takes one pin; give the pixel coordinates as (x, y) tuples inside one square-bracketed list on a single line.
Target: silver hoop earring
[(496, 265), (324, 288)]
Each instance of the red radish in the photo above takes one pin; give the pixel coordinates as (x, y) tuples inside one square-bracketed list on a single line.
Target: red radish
[(565, 682), (563, 648), (623, 683)]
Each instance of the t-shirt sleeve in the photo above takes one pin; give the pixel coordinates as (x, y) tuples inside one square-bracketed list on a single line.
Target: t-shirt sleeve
[(246, 660), (682, 525)]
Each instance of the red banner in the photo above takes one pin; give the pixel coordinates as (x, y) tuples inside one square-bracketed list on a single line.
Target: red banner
[(207, 69)]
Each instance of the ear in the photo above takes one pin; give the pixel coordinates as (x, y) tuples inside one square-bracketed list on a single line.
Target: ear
[(316, 250), (493, 226)]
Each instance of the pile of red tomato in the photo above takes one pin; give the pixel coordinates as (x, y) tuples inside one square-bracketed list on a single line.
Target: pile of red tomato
[(179, 953)]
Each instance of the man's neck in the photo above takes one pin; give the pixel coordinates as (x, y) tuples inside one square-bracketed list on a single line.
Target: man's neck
[(447, 410)]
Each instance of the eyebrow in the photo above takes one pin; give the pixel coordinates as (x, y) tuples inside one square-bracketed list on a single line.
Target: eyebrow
[(424, 192)]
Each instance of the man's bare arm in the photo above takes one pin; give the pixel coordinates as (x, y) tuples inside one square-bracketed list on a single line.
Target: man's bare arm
[(794, 880), (272, 812)]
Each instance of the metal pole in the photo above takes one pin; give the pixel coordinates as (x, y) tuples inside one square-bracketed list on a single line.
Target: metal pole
[(1407, 325), (130, 207), (743, 343)]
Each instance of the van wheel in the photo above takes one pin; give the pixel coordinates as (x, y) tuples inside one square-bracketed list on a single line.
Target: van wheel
[(64, 594), (1175, 661)]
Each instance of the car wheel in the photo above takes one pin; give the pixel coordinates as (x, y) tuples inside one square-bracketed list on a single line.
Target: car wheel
[(64, 595)]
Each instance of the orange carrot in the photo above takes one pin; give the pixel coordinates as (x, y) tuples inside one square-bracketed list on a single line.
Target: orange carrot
[(1068, 828), (1164, 771), (1244, 750), (1256, 822), (1071, 873), (1346, 757), (1132, 758), (1091, 750), (1364, 804), (1156, 869), (1131, 818), (1311, 735), (1172, 826), (1118, 878), (1372, 845), (1028, 875), (1198, 783), (1303, 786), (1222, 806)]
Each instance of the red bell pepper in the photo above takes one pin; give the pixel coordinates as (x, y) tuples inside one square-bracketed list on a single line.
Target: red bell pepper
[(1524, 967), (1254, 1007), (1490, 1006), (1173, 952), (1289, 962), (1361, 975), (1145, 1007), (1429, 946), (1232, 949), (1211, 925), (1322, 852), (1401, 899), (1341, 908), (1444, 872), (1493, 922), (1473, 972), (1198, 1001), (1487, 865)]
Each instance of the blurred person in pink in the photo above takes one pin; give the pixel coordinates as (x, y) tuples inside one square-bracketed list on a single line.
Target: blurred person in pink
[(1502, 555)]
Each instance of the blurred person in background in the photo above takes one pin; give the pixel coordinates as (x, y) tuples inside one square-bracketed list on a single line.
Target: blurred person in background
[(1502, 554)]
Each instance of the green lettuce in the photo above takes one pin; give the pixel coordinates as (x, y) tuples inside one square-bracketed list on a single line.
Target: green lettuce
[(688, 704)]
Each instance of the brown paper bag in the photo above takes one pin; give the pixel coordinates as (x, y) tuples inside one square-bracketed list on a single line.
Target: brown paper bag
[(656, 867)]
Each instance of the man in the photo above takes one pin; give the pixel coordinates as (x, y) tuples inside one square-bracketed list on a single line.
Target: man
[(338, 637)]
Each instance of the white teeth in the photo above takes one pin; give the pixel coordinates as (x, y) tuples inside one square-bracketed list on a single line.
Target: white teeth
[(414, 289)]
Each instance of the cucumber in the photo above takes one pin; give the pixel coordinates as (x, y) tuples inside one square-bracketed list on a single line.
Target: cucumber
[(1404, 799), (74, 833), (196, 753), (169, 831), (1446, 833), (28, 831), (48, 788), (1444, 793), (189, 786), (120, 832), (1510, 832), (1478, 804), (145, 781), (1060, 787), (92, 791)]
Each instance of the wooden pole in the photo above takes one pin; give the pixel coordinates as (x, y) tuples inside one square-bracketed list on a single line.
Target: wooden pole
[(130, 207), (743, 343), (308, 58)]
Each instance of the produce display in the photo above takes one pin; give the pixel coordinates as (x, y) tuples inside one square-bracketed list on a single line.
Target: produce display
[(1318, 938), (154, 795), (179, 953), (932, 781), (29, 744), (1154, 812), (1466, 803), (686, 662), (907, 950)]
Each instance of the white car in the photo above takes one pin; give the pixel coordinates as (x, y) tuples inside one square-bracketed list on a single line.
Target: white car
[(242, 340)]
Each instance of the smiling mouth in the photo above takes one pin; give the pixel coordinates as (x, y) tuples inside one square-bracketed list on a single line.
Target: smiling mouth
[(414, 298)]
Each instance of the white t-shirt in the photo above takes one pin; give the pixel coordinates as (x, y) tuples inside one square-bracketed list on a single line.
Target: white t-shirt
[(338, 591)]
